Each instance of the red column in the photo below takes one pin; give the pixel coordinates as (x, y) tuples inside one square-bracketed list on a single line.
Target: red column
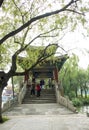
[(26, 77), (56, 74)]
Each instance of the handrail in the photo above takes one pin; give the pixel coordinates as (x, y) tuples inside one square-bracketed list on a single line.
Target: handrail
[(9, 104), (22, 93), (18, 99), (63, 100)]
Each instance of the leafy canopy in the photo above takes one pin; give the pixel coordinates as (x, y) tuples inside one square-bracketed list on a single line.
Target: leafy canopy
[(41, 29)]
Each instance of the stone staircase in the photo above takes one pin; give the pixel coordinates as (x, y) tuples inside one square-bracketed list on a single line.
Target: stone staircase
[(44, 105), (47, 96)]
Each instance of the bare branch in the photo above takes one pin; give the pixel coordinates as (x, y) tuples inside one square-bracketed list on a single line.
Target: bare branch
[(24, 37), (15, 41), (63, 49), (74, 11), (38, 36), (19, 11), (49, 36)]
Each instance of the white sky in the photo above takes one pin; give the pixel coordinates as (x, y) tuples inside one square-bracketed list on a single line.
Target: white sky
[(78, 44)]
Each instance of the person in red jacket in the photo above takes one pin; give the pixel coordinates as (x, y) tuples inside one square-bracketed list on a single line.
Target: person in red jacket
[(38, 89)]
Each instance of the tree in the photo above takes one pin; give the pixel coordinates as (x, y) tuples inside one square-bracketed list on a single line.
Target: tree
[(23, 23), (1, 2), (68, 75), (74, 79), (83, 81)]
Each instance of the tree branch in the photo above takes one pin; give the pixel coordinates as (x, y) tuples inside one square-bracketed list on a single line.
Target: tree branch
[(1, 2), (35, 19), (14, 57), (74, 11), (39, 60), (19, 11), (38, 36), (15, 41)]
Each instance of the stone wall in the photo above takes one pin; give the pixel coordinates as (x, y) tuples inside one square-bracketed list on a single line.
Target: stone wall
[(63, 100), (16, 100), (22, 94), (9, 104)]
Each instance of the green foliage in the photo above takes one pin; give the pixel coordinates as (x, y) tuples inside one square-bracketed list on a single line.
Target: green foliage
[(4, 118), (71, 95), (80, 101), (85, 101), (74, 78), (4, 60), (16, 13), (77, 102), (68, 74), (18, 79), (33, 53)]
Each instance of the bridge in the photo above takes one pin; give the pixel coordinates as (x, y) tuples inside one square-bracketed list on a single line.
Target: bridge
[(33, 114), (48, 96), (47, 69), (51, 111)]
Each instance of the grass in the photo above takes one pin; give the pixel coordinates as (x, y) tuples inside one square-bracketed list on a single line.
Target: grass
[(4, 118)]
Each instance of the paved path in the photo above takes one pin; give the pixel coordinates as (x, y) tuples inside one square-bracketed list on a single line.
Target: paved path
[(38, 109), (44, 117)]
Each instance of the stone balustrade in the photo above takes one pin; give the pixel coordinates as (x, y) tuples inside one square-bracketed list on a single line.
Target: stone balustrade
[(64, 100), (17, 99), (9, 104), (22, 94), (60, 99)]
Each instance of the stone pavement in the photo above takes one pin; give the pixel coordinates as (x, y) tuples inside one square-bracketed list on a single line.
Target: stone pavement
[(38, 109), (44, 117)]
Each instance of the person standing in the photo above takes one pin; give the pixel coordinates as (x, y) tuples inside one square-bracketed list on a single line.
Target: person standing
[(42, 83), (33, 87), (38, 89)]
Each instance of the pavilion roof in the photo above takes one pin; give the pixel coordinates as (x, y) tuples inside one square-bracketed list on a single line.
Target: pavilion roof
[(44, 68)]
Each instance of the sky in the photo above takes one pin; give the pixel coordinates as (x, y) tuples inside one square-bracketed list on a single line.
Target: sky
[(75, 42)]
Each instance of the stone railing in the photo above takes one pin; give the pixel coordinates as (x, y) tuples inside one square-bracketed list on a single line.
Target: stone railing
[(9, 103), (22, 94), (15, 100), (63, 100)]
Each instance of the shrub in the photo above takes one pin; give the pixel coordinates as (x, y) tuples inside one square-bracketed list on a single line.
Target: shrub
[(72, 95), (77, 102), (85, 101)]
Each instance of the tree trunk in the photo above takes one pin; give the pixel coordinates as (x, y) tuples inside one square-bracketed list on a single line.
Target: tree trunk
[(81, 92), (3, 83), (1, 120), (76, 91), (85, 93)]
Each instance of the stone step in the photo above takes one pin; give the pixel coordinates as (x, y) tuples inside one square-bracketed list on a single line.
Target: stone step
[(39, 101), (38, 109), (44, 91), (39, 98), (47, 96), (42, 98), (42, 95)]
